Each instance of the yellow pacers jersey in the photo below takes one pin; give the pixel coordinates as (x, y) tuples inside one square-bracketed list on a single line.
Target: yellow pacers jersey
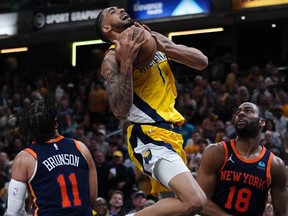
[(155, 94), (153, 104)]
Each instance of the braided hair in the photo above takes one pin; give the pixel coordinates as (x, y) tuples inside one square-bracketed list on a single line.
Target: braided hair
[(37, 121)]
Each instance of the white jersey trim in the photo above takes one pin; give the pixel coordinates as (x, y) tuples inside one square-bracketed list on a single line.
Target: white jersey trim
[(138, 116)]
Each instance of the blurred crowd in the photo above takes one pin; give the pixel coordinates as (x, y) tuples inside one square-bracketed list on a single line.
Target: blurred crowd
[(206, 99)]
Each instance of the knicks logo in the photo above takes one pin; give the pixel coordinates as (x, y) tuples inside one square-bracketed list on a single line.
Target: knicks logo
[(147, 156)]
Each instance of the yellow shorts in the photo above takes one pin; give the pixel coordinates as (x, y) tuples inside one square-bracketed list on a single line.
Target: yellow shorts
[(148, 144)]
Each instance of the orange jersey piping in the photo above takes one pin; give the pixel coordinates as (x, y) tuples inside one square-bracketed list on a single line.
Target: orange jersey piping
[(77, 145), (30, 151), (58, 138), (34, 200), (225, 155), (244, 159), (268, 171)]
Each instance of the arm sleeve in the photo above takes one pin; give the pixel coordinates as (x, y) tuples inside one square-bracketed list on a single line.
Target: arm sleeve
[(16, 197)]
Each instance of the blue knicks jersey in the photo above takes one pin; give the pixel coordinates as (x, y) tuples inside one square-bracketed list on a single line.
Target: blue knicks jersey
[(60, 184), (242, 185)]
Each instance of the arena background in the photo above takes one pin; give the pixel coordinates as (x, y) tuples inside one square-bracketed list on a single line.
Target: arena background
[(254, 31)]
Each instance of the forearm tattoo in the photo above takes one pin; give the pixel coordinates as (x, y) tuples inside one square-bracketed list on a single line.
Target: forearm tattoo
[(120, 87)]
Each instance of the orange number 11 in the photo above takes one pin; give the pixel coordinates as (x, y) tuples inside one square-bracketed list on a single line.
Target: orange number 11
[(65, 199)]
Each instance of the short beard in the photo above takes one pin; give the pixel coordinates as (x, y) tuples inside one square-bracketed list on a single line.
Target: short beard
[(122, 26), (251, 130)]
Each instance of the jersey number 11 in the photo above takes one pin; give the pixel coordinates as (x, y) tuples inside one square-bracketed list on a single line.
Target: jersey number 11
[(65, 199)]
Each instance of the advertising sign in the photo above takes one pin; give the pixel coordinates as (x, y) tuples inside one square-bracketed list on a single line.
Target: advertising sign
[(42, 19), (8, 24), (240, 4), (151, 9)]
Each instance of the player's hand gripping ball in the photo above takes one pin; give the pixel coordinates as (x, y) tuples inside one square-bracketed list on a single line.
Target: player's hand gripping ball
[(147, 51)]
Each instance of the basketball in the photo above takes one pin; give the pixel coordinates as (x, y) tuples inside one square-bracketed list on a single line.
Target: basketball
[(147, 51)]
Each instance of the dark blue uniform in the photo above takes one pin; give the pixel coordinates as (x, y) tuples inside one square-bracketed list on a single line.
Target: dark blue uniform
[(60, 185), (242, 185)]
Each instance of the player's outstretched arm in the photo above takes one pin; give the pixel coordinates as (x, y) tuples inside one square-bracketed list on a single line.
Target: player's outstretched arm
[(279, 190), (117, 68), (212, 160), (189, 56)]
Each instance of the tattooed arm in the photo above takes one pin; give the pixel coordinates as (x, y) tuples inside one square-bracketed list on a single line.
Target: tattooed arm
[(189, 56), (117, 68), (120, 86)]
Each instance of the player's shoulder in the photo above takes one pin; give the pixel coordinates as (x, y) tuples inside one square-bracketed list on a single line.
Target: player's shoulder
[(109, 62), (24, 159), (278, 172), (108, 54), (215, 148), (110, 51), (82, 147), (277, 164), (214, 153), (278, 167), (24, 154)]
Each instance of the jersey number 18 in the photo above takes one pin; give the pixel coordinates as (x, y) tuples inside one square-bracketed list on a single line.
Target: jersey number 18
[(242, 200)]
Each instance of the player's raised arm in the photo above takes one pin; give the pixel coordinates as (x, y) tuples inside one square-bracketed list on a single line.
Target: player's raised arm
[(119, 85), (189, 56), (117, 68)]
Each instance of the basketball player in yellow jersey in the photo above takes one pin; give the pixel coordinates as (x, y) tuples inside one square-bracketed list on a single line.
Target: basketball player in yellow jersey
[(146, 97)]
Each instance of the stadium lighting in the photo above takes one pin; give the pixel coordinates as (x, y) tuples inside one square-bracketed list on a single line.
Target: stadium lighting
[(82, 43), (13, 50), (196, 31)]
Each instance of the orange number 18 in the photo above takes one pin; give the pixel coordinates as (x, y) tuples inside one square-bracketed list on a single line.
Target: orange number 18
[(242, 201)]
